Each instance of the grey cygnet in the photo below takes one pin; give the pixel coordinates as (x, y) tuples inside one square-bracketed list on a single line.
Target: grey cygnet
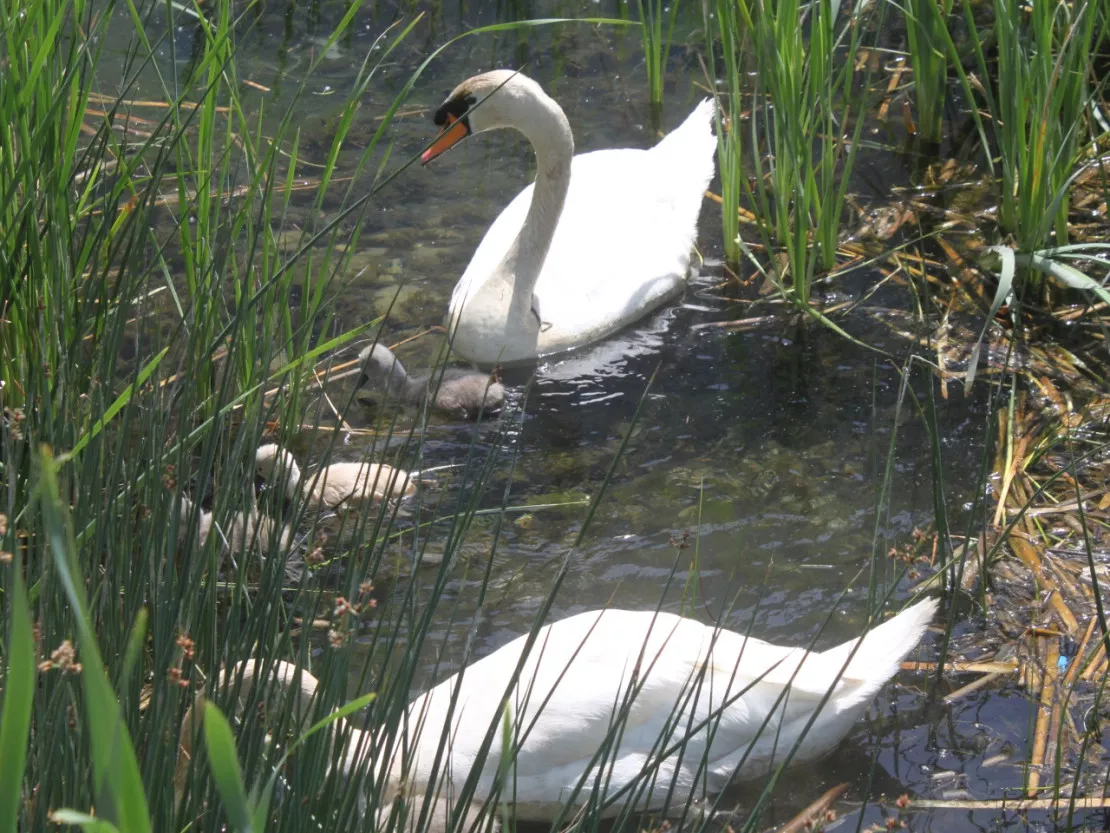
[(460, 393)]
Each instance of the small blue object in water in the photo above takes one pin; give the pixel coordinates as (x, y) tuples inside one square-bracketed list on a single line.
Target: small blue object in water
[(1062, 663)]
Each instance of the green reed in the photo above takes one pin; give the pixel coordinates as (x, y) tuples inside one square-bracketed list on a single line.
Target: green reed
[(805, 102), (146, 306), (657, 20), (1037, 109), (731, 31), (927, 36)]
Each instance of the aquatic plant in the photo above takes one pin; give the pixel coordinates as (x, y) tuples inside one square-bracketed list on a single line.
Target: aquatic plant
[(657, 20), (928, 40), (731, 32), (1037, 108), (149, 341), (804, 100)]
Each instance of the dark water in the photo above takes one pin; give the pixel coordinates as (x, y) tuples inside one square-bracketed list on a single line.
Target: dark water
[(766, 446)]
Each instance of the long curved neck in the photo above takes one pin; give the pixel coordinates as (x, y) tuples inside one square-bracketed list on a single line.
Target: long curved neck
[(403, 386), (549, 132)]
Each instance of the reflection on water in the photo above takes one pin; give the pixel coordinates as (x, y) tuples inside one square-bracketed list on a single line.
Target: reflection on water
[(767, 446)]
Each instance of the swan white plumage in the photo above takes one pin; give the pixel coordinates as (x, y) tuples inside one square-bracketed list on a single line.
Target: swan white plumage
[(597, 242), (726, 707)]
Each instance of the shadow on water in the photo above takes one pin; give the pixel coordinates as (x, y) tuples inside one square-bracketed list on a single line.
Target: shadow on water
[(767, 447)]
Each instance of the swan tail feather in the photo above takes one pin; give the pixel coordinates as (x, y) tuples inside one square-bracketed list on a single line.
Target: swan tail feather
[(696, 128), (880, 652)]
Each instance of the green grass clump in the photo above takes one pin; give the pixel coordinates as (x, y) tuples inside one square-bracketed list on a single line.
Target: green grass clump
[(927, 36), (804, 102), (1039, 59), (731, 31), (657, 21), (146, 313)]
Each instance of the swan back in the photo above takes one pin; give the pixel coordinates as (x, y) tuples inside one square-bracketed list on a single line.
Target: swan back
[(244, 530), (466, 394), (457, 392), (290, 684)]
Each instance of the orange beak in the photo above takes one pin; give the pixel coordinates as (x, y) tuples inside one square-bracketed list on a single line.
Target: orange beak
[(453, 132)]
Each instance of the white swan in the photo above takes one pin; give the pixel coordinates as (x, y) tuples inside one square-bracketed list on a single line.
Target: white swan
[(340, 484), (455, 391), (677, 709), (597, 242)]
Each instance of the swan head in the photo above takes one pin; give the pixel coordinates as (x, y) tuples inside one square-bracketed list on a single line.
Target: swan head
[(381, 368), (497, 99)]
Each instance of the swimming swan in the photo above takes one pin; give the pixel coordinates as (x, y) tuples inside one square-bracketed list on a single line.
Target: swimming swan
[(597, 242), (460, 393), (340, 484), (616, 682)]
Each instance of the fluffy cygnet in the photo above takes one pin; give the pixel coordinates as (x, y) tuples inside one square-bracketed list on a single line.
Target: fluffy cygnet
[(243, 530), (460, 393), (340, 484)]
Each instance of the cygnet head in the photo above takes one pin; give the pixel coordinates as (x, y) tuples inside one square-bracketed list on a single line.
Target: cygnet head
[(381, 368), (271, 460), (492, 100)]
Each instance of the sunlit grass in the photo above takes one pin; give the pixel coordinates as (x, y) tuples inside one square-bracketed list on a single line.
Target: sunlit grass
[(731, 31), (927, 36), (1039, 60), (657, 19), (807, 111)]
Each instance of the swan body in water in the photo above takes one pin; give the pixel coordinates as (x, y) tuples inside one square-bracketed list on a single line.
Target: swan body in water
[(597, 242), (461, 393), (630, 708), (340, 484)]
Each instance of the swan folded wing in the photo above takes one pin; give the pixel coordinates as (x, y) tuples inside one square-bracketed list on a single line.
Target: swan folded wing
[(622, 244), (612, 701), (664, 718)]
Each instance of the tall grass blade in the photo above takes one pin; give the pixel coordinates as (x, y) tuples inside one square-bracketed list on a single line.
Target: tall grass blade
[(115, 767), (224, 762), (18, 697), (927, 35), (1001, 293)]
